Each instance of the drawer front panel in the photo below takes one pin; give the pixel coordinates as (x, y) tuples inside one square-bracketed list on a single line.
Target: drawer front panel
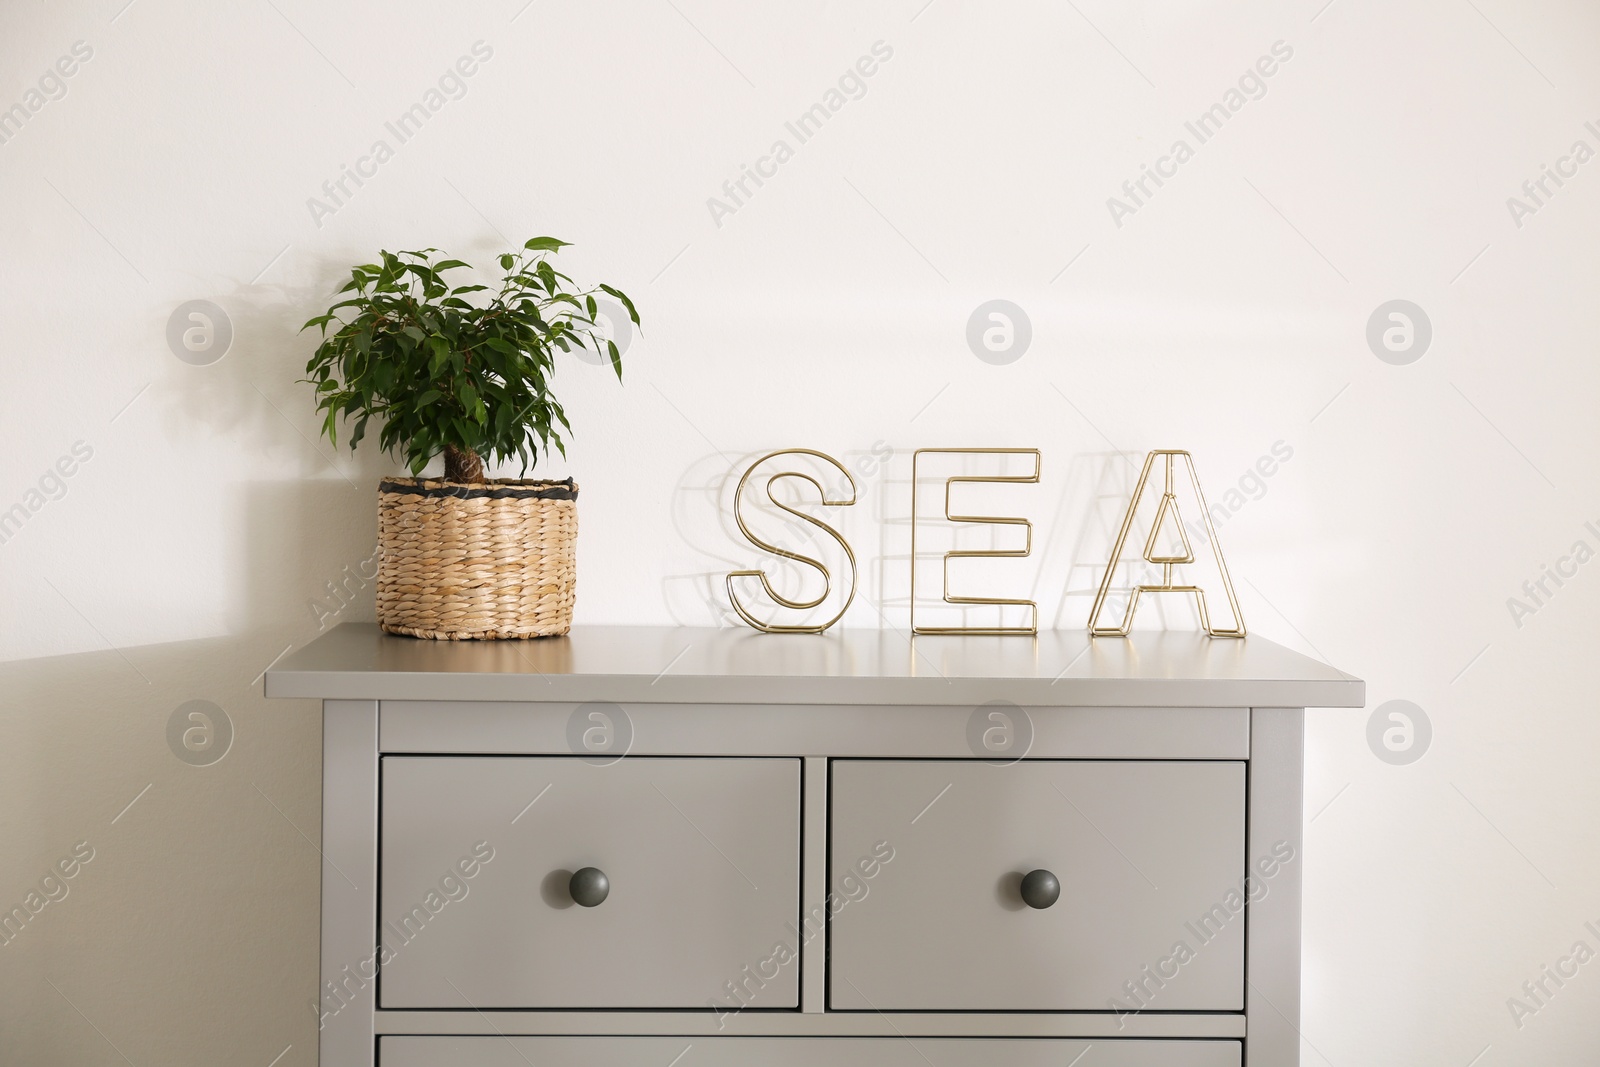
[(800, 1052), (1149, 856), (702, 858)]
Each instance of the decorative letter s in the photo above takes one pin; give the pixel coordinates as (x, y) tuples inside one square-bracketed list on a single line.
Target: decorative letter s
[(827, 580)]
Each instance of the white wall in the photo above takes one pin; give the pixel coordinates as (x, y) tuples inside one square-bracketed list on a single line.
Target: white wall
[(1227, 314)]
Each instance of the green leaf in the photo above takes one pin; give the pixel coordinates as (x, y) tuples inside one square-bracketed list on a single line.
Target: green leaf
[(543, 244), (623, 297)]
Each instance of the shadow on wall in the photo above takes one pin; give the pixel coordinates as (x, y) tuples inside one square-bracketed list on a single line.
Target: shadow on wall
[(199, 899), (198, 803), (701, 518), (250, 393), (309, 558)]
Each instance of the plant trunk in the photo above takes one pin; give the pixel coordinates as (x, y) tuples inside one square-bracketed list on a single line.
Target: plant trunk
[(462, 466)]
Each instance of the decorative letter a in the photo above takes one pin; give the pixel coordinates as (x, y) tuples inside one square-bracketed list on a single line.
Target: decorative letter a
[(1166, 513)]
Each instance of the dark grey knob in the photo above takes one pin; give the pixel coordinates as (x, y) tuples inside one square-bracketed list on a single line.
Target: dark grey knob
[(590, 887), (1040, 889)]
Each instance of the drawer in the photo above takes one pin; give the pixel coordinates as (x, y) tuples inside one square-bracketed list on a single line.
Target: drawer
[(702, 857), (800, 1052), (1149, 855)]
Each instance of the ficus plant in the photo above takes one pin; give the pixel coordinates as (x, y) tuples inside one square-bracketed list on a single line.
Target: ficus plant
[(461, 371)]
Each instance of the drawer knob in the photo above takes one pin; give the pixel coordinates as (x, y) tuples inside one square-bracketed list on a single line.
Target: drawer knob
[(589, 887), (1040, 889)]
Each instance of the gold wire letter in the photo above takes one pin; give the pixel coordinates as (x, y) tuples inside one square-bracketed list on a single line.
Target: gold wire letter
[(1033, 627), (1168, 511), (827, 579)]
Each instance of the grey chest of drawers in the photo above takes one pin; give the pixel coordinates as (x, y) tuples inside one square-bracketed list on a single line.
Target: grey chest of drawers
[(673, 847)]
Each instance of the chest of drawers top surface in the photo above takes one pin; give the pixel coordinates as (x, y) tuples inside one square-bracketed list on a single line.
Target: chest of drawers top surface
[(674, 664)]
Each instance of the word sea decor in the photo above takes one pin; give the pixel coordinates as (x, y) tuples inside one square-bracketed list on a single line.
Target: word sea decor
[(1167, 514)]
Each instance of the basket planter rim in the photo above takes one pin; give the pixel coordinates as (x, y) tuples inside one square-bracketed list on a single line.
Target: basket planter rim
[(494, 489)]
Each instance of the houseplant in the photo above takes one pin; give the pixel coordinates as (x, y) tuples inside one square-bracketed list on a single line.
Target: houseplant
[(463, 372)]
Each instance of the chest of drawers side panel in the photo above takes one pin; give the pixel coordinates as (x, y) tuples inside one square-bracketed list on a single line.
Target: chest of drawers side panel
[(349, 963), (1276, 853)]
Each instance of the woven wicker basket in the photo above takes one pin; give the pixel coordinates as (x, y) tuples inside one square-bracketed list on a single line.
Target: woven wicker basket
[(462, 561)]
